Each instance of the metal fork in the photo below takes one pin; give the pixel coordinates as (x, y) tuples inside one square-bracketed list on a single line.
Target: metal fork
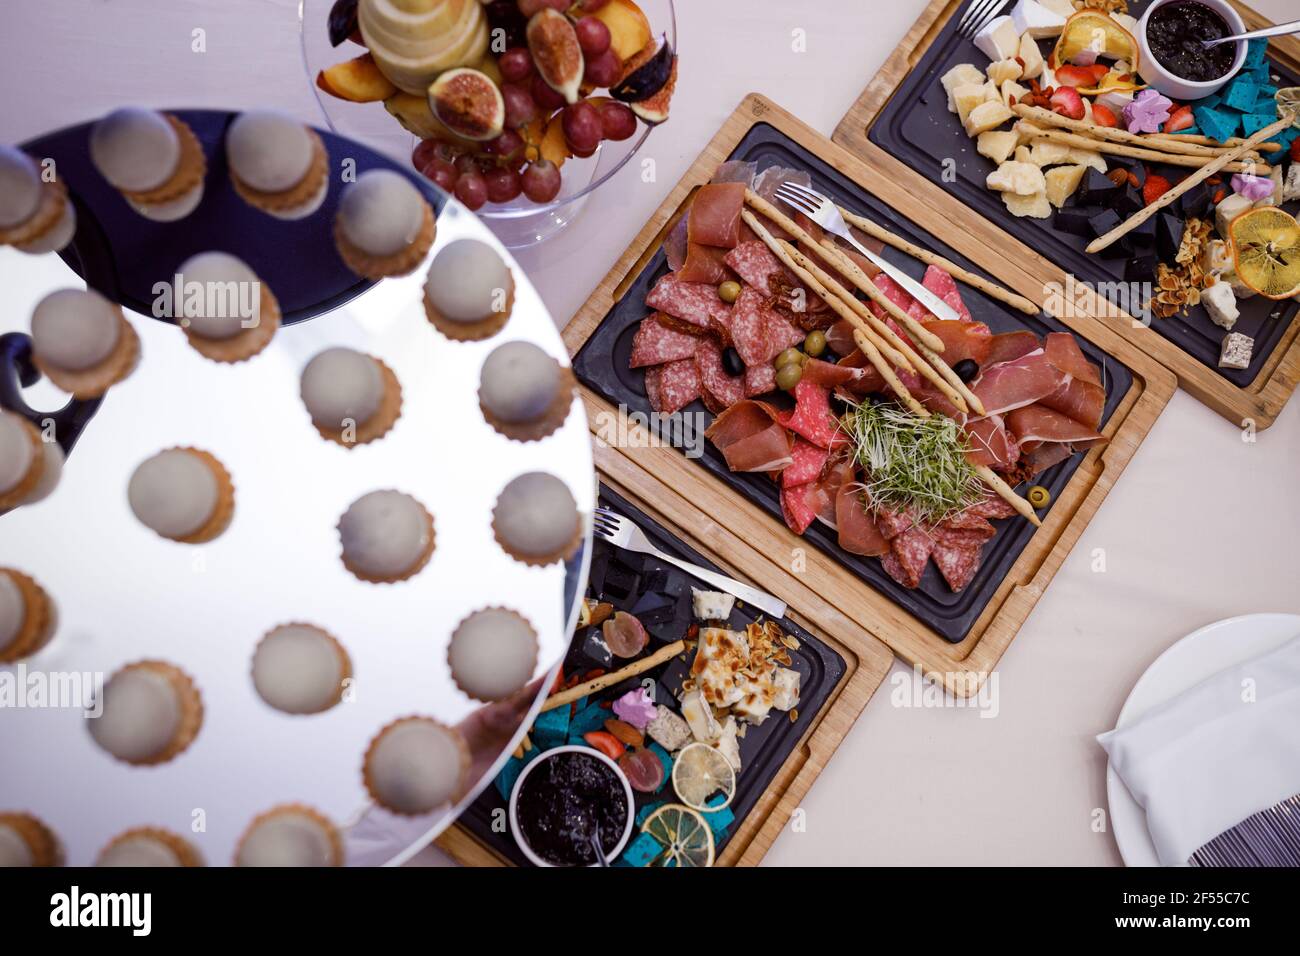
[(978, 15), (827, 215), (623, 533)]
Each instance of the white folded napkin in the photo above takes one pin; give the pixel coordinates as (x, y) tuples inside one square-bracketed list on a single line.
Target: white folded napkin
[(1203, 761)]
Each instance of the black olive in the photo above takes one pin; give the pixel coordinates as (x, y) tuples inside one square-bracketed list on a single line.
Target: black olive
[(343, 21), (966, 369), (731, 361)]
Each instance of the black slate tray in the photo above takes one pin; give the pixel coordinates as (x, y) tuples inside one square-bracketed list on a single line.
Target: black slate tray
[(916, 127), (640, 584), (603, 366)]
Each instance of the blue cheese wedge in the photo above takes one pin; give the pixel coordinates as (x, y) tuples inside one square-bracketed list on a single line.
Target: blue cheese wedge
[(668, 730), (1236, 351), (712, 605), (699, 717), (1291, 190), (1221, 303)]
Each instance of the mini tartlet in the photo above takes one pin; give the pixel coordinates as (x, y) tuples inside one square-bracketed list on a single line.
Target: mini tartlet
[(22, 462), (153, 159), (148, 847), (416, 765), (523, 392), (183, 494), (383, 227), (217, 328), (28, 616), (277, 164), (82, 342), (26, 841), (386, 537), (291, 834), (352, 398), (536, 520), (300, 669), (151, 713), (492, 654), (469, 291), (36, 215)]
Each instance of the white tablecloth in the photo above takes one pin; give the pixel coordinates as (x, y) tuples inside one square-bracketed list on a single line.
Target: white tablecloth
[(1202, 525)]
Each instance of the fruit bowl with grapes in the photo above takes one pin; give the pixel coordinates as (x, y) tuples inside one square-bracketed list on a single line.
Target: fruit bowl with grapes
[(520, 108)]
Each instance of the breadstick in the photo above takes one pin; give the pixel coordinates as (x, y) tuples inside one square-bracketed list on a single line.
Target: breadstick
[(1171, 144), (664, 653), (1214, 143), (1008, 494), (1118, 149)]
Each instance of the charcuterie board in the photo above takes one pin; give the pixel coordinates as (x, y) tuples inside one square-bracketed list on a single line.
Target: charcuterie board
[(901, 124), (1139, 390), (781, 758)]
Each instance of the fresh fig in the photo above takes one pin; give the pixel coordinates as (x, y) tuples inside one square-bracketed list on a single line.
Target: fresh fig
[(654, 110), (468, 103), (648, 79), (554, 45), (342, 21)]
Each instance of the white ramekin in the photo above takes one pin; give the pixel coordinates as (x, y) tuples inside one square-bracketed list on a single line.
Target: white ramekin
[(610, 855), (1175, 87)]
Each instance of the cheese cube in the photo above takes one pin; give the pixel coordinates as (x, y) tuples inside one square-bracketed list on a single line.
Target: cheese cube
[(966, 97), (999, 39), (1062, 8), (1033, 18), (987, 116), (997, 145), (1292, 188), (1045, 152), (727, 743), (1027, 50), (1087, 157), (712, 605), (1012, 92), (1216, 258), (964, 74), (1003, 71), (1236, 351), (699, 717), (786, 682), (1228, 210), (669, 730), (1036, 206), (1221, 303), (1063, 182), (1023, 179), (1127, 22)]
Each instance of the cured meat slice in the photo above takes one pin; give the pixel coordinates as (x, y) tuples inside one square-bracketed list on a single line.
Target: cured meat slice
[(812, 416), (962, 340), (991, 445), (655, 344), (966, 521), (758, 333), (963, 537), (673, 386), (1063, 351), (992, 508), (1008, 346), (750, 437), (736, 171), (624, 635), (840, 338), (703, 264), (910, 552), (715, 215), (1040, 456), (957, 564), (808, 226), (725, 389), (675, 244), (1039, 423), (766, 185), (692, 302), (800, 505), (893, 523), (809, 460), (858, 532), (1080, 400), (894, 292), (754, 262), (760, 379), (943, 285), (829, 376), (1017, 383)]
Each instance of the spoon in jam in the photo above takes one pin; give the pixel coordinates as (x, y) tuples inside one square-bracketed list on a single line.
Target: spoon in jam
[(1281, 29)]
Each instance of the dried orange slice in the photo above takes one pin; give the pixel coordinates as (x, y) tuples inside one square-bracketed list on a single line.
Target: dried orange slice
[(1266, 251), (1095, 31), (699, 774), (686, 837)]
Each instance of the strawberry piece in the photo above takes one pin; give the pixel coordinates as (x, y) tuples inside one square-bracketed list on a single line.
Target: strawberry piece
[(1099, 72), (1155, 187), (1180, 119), (1067, 101), (1295, 150), (1075, 76), (1102, 115)]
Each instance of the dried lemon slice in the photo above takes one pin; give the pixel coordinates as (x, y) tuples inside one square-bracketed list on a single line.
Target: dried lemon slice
[(1266, 251), (700, 772), (1089, 30), (1288, 101), (686, 838)]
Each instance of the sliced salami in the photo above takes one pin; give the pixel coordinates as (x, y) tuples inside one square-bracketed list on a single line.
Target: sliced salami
[(800, 505), (991, 507), (693, 302), (893, 523), (724, 389), (957, 564), (812, 416), (678, 385), (655, 344), (911, 550), (760, 379), (755, 263), (809, 460), (749, 328)]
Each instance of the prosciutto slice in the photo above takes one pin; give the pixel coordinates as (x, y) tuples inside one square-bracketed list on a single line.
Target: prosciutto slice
[(1009, 346), (715, 215), (1080, 400), (751, 438), (1017, 383), (857, 530), (1064, 352), (990, 444), (704, 264), (1042, 424), (962, 340)]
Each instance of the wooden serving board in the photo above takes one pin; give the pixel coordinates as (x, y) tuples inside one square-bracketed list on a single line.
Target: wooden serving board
[(1255, 406), (867, 662), (827, 594)]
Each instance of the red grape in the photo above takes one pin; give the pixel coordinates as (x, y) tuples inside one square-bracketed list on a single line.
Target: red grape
[(465, 163), (443, 174), (603, 70), (502, 184), (541, 181), (591, 6), (424, 152), (544, 96), (582, 128), (529, 7), (515, 64), (593, 36), (508, 147), (471, 189), (617, 121), (521, 108)]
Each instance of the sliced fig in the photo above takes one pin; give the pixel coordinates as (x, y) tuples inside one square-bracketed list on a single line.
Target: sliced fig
[(624, 635), (654, 110), (648, 79), (554, 45), (343, 21), (468, 103)]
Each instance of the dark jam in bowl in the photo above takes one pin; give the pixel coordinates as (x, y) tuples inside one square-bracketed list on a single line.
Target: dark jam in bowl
[(563, 800), (1175, 32)]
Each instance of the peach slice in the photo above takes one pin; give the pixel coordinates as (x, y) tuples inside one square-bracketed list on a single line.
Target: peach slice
[(359, 81), (629, 29)]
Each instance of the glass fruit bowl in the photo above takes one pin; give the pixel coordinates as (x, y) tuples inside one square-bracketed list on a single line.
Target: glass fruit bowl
[(520, 222)]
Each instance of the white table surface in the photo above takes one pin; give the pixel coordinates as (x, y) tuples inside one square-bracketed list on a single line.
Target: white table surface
[(1201, 526)]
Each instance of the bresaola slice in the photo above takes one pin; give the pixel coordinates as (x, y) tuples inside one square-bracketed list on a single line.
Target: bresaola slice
[(624, 635), (858, 533)]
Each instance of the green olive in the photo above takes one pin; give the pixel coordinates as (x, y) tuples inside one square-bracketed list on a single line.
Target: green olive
[(1039, 496), (729, 291), (787, 376), (815, 343), (790, 357)]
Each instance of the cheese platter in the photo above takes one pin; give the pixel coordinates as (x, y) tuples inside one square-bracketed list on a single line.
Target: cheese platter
[(1140, 209), (963, 610)]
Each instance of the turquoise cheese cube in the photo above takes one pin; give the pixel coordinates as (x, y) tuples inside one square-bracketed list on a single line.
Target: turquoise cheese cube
[(642, 851), (588, 718), (1256, 51), (1216, 123), (643, 814), (1242, 96), (1255, 122), (551, 728), (505, 781)]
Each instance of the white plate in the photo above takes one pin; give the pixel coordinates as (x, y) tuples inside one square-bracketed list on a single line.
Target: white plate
[(1185, 664)]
